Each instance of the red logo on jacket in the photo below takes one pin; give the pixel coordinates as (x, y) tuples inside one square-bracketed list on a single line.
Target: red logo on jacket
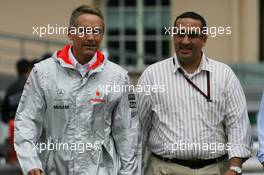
[(98, 97)]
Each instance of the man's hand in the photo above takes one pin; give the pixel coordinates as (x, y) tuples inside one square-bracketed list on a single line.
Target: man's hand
[(235, 161), (35, 172), (230, 172)]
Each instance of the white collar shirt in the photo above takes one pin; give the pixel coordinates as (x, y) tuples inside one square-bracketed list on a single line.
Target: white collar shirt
[(82, 69), (181, 123)]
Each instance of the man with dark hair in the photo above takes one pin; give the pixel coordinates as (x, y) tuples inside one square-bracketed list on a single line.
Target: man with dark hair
[(15, 90), (192, 15), (200, 124), (67, 123)]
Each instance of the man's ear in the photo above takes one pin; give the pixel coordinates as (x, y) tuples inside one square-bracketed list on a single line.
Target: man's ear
[(204, 40), (69, 33)]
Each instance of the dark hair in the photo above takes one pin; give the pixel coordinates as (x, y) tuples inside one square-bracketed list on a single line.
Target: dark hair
[(82, 10), (192, 15), (22, 66)]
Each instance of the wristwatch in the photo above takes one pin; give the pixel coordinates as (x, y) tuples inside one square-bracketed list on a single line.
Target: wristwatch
[(237, 169)]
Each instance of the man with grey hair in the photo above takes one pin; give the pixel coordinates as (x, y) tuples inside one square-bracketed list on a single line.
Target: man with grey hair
[(66, 124)]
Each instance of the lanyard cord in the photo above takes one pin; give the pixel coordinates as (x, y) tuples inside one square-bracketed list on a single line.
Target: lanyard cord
[(208, 96)]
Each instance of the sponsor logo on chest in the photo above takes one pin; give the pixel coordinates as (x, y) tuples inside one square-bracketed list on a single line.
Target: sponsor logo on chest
[(98, 98), (61, 106)]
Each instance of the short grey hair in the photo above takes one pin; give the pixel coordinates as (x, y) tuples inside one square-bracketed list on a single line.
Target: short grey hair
[(84, 9)]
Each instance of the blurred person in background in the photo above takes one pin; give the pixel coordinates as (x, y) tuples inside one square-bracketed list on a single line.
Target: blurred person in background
[(34, 61), (45, 56), (260, 153), (14, 91), (10, 104)]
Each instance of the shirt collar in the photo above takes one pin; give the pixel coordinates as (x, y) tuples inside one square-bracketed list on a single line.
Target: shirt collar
[(204, 64), (77, 64)]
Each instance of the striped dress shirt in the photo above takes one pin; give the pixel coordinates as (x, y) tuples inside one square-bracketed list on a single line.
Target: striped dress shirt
[(179, 122)]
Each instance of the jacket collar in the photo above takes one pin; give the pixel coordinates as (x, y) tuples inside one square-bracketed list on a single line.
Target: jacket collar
[(63, 57)]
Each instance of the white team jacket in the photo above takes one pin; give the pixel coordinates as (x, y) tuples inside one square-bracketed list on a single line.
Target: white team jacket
[(72, 125)]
